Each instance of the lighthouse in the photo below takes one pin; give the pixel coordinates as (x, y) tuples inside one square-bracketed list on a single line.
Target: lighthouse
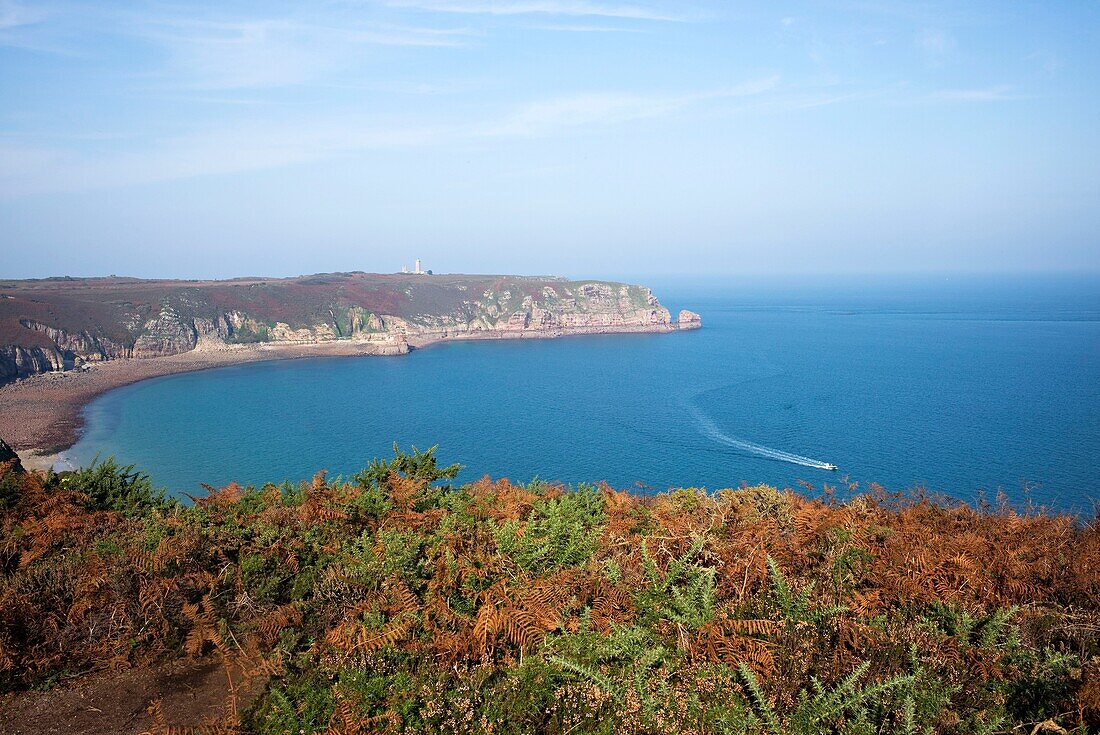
[(417, 270)]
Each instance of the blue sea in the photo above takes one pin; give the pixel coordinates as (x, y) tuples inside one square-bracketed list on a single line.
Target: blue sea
[(962, 385)]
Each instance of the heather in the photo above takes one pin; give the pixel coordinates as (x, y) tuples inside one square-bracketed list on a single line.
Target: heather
[(393, 601)]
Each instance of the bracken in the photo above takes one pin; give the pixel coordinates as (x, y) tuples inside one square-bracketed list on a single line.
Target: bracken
[(397, 603)]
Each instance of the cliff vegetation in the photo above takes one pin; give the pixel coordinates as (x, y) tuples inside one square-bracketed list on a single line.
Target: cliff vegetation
[(393, 602)]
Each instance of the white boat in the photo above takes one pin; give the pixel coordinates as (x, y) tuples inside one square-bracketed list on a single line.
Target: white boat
[(830, 466)]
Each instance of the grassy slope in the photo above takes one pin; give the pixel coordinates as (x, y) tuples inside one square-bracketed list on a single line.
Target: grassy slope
[(390, 604), (104, 306)]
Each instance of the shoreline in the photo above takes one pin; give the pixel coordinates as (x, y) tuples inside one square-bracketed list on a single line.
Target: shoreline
[(43, 416)]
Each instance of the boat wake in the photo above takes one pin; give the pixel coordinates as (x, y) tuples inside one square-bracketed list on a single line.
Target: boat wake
[(711, 430)]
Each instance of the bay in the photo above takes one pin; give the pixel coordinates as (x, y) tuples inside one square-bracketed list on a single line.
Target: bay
[(961, 385)]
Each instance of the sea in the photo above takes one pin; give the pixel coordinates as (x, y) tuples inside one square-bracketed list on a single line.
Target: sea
[(968, 386)]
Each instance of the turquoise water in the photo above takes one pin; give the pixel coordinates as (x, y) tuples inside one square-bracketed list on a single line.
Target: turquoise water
[(961, 386)]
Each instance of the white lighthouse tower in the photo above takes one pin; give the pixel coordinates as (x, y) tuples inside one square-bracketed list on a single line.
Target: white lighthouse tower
[(418, 266)]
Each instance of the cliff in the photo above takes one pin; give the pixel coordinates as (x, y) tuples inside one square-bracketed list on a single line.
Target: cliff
[(7, 454), (64, 323)]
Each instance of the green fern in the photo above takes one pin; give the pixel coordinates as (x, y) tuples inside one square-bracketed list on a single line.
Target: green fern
[(820, 710), (560, 532), (685, 594), (992, 629), (588, 673), (797, 608), (908, 716), (762, 707), (632, 657)]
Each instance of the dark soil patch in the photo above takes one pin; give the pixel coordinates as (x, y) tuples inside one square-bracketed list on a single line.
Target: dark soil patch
[(116, 703)]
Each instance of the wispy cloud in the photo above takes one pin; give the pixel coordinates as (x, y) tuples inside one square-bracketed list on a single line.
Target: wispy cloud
[(1048, 63), (208, 152), (542, 7), (936, 45), (220, 49), (550, 116), (13, 15), (262, 144), (27, 27), (572, 28), (276, 52), (222, 64), (806, 100), (998, 93), (921, 13)]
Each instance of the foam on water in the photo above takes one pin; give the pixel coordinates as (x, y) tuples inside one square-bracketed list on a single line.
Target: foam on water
[(711, 430)]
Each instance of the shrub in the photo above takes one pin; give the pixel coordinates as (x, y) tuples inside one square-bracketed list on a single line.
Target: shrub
[(562, 531), (395, 603), (113, 487)]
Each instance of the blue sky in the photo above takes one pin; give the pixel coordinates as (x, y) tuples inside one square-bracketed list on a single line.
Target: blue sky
[(581, 137)]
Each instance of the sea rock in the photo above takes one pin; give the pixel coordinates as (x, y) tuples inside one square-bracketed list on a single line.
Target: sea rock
[(688, 320)]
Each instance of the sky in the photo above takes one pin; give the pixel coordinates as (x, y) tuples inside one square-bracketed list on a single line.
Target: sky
[(590, 138)]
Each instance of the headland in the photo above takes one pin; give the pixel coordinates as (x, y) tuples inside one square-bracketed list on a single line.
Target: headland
[(64, 341)]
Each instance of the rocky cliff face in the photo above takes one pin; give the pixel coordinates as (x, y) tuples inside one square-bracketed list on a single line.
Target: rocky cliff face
[(168, 333), (19, 362), (7, 454), (90, 348), (62, 324), (590, 306), (62, 351)]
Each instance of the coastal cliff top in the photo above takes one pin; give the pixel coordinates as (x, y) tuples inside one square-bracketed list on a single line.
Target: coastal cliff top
[(115, 307)]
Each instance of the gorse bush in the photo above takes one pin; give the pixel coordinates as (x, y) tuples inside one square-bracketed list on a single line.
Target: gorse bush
[(394, 602), (860, 708), (561, 531), (111, 487), (683, 593)]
